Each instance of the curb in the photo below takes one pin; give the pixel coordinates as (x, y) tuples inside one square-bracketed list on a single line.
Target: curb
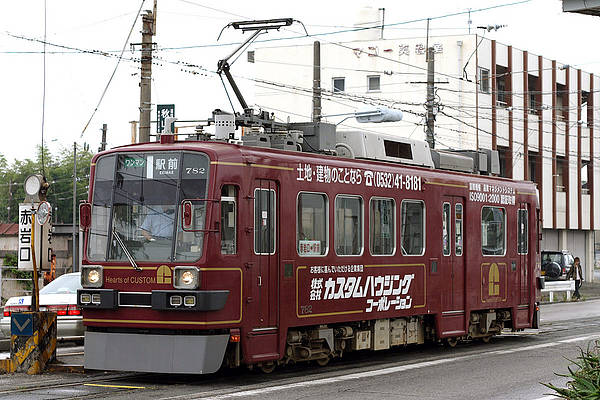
[(68, 368)]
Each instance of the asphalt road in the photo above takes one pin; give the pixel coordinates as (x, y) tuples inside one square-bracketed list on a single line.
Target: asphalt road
[(510, 367)]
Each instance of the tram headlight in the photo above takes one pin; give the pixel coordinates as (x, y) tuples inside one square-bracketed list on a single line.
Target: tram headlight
[(92, 276), (186, 278)]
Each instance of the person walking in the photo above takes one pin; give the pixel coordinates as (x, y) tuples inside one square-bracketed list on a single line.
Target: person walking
[(576, 273)]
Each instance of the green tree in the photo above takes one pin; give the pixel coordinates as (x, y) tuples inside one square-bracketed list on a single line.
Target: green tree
[(58, 170)]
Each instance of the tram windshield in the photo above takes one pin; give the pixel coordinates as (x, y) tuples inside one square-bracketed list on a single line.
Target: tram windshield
[(136, 197)]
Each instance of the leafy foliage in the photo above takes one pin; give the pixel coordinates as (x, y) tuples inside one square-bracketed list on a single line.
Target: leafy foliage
[(58, 170), (584, 383), (10, 260)]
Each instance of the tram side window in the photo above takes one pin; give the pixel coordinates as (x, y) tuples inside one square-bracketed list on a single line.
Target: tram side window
[(228, 219), (264, 221), (493, 231), (458, 229), (311, 238), (348, 225), (522, 229), (413, 227), (446, 229), (382, 230), (101, 203)]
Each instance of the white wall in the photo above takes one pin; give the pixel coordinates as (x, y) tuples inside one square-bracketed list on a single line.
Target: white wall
[(519, 114)]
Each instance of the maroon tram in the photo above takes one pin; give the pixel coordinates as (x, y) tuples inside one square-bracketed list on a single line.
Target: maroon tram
[(204, 253)]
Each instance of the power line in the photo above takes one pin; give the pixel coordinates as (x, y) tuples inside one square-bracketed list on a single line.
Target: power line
[(115, 70)]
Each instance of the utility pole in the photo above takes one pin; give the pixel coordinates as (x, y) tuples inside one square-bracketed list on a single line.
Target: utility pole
[(148, 31), (382, 21), (103, 142), (317, 82), (430, 104), (75, 261), (9, 199)]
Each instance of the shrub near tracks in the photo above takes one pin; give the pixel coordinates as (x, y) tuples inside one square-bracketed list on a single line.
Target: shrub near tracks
[(584, 382)]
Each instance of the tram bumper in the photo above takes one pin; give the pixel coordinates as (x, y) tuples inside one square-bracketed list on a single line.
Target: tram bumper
[(185, 354)]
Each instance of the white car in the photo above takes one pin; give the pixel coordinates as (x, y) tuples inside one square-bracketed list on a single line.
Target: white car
[(59, 296)]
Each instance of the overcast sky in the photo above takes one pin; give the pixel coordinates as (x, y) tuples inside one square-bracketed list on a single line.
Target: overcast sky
[(76, 80)]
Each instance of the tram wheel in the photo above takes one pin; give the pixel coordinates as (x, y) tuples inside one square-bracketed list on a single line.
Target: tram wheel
[(452, 341), (486, 339), (267, 367), (322, 361)]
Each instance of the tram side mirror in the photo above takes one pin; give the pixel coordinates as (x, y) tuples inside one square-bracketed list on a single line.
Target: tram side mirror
[(85, 215), (186, 215)]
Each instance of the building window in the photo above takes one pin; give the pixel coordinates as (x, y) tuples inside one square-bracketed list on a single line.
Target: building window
[(348, 225), (522, 229), (382, 230), (339, 85), (312, 224), (413, 227), (585, 171), (501, 95), (251, 56), (484, 80), (535, 96), (228, 219), (446, 229), (562, 102), (493, 231), (264, 221), (561, 173), (532, 158), (503, 155), (373, 83)]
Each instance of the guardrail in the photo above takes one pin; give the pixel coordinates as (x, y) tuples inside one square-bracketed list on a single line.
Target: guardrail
[(559, 286)]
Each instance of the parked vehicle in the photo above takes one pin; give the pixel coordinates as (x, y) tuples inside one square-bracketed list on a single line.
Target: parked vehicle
[(59, 296), (556, 264)]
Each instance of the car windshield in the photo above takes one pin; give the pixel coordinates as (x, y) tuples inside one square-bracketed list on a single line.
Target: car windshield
[(64, 284), (552, 257), (136, 198)]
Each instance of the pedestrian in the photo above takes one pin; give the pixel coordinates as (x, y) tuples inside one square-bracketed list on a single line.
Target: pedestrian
[(576, 273)]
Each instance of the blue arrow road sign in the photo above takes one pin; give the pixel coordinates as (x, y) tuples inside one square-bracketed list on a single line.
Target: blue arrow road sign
[(21, 324)]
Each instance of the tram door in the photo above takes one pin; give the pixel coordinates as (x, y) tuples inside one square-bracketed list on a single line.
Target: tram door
[(523, 250), (266, 233), (452, 258)]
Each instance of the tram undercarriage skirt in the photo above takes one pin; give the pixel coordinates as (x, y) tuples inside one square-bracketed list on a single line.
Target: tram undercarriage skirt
[(186, 354)]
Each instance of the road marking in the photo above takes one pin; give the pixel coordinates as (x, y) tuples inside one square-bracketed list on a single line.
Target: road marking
[(114, 386), (579, 339), (385, 371)]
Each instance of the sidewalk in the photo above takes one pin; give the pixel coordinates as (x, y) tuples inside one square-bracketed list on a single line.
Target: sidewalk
[(590, 290)]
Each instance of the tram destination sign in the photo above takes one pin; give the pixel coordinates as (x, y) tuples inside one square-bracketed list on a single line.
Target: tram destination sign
[(162, 112)]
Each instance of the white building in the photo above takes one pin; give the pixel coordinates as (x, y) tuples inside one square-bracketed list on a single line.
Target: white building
[(541, 115)]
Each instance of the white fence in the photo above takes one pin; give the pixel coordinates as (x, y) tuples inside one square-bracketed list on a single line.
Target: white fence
[(559, 286)]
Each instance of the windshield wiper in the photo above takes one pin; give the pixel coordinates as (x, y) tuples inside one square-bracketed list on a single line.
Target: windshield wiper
[(124, 248)]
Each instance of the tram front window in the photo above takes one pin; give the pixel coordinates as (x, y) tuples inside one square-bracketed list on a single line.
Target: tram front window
[(143, 199)]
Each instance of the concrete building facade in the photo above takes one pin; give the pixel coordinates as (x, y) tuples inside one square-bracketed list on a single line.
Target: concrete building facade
[(542, 115)]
